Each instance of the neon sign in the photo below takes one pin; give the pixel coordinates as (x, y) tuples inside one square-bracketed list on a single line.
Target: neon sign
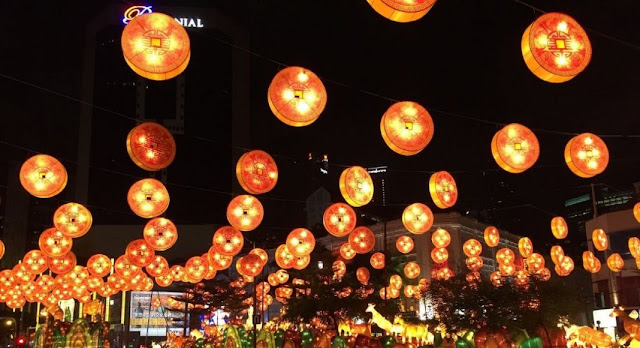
[(135, 11)]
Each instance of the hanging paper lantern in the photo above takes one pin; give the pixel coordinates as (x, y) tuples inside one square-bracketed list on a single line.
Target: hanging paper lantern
[(196, 268), (148, 198), (544, 274), (126, 268), (72, 219), (62, 264), (54, 243), (555, 47), (377, 260), (407, 128), (2, 249), (284, 257), (404, 244), (556, 253), (302, 262), (156, 46), (590, 262), (36, 261), (43, 176), (164, 280), (151, 146), (21, 274), (535, 262), (356, 186), (475, 263), (586, 155), (219, 261), (412, 270), (245, 213), (507, 269), (515, 148), (505, 255), (525, 247), (496, 279), (140, 253), (78, 275), (472, 247), (178, 272), (283, 276), (347, 252), (99, 265), (339, 268), (362, 240), (402, 10), (600, 239), (521, 278), (94, 283), (261, 253), (636, 213), (301, 242), (257, 172), (439, 255), (634, 247), (614, 262), (228, 241), (339, 219), (160, 233), (417, 218), (272, 278), (363, 275), (158, 266), (395, 281), (559, 227), (491, 236), (297, 96), (441, 238), (445, 274), (443, 189), (565, 266)]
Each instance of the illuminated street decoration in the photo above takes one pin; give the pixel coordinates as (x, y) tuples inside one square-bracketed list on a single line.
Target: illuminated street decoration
[(443, 189), (297, 96), (402, 10), (257, 172), (151, 146), (407, 128), (515, 148), (586, 155), (356, 186)]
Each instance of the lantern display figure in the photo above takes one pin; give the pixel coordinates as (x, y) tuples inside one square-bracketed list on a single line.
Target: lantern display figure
[(565, 266), (402, 10), (219, 261), (54, 243), (283, 276), (614, 262), (284, 258), (417, 218), (474, 263), (407, 128), (634, 247), (556, 48), (363, 275), (515, 148), (600, 239), (535, 262), (62, 264), (196, 268), (156, 46), (158, 266), (339, 268), (262, 254), (302, 262), (99, 265), (228, 241), (412, 270), (491, 236), (257, 172), (245, 213), (362, 240), (439, 255), (140, 253), (404, 244), (356, 186), (72, 219), (35, 261), (472, 247), (556, 253), (301, 242), (297, 96), (151, 146), (507, 269), (441, 238), (347, 252), (43, 176), (443, 190), (525, 247), (21, 274), (339, 219), (445, 273), (165, 280), (178, 272), (496, 279), (521, 278), (506, 256), (126, 268), (148, 198), (160, 233), (586, 155), (636, 213), (377, 260)]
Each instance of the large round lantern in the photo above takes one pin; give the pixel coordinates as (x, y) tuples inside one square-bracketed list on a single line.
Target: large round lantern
[(251, 265), (262, 254), (257, 172), (515, 148), (472, 247), (535, 262), (525, 247), (377, 260), (54, 243), (339, 219), (356, 186), (634, 247), (282, 275), (407, 128), (559, 227), (177, 272), (586, 155), (301, 242), (302, 262), (43, 176), (347, 252), (220, 262), (505, 255), (140, 253), (125, 268), (339, 268), (614, 262), (557, 253), (417, 218), (555, 47), (404, 244), (443, 189), (439, 255), (363, 275), (148, 198), (412, 270), (36, 261), (158, 266), (600, 239), (72, 219), (565, 266), (402, 10), (507, 269), (245, 213), (441, 238), (297, 96), (99, 265), (362, 240), (156, 46), (151, 146), (62, 264), (228, 241), (445, 273), (196, 268), (284, 258), (491, 236), (474, 263), (160, 233)]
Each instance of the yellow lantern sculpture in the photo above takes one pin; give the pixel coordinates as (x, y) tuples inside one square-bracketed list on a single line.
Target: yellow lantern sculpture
[(407, 128), (404, 244), (441, 238), (412, 270), (586, 155), (297, 96), (148, 198), (377, 260), (257, 172), (515, 148), (443, 189), (417, 218), (72, 219), (301, 242), (614, 262), (160, 233), (151, 146), (600, 239), (525, 247), (559, 227), (228, 241), (43, 176), (362, 240), (472, 247), (245, 213), (402, 10), (356, 186), (339, 219), (54, 243), (491, 236)]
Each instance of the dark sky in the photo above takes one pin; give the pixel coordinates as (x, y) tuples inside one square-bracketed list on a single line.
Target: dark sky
[(462, 58)]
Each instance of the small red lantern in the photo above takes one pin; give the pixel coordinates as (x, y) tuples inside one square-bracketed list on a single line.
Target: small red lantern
[(197, 267), (407, 128), (302, 262), (44, 283), (347, 252), (362, 240), (634, 247), (439, 255), (156, 46), (491, 236), (219, 261), (273, 279), (507, 269), (125, 268), (283, 276), (257, 172), (417, 218), (297, 96), (211, 269), (506, 256), (339, 268), (78, 275), (600, 239), (261, 254), (445, 273), (474, 263), (43, 176), (117, 282), (404, 244), (245, 213), (443, 189), (339, 219), (496, 279), (472, 247), (586, 155), (99, 265), (62, 264), (301, 242), (160, 233), (284, 257), (140, 253), (395, 282), (544, 274), (565, 265), (441, 238), (525, 247), (363, 275), (423, 284), (377, 260), (356, 186), (412, 270), (402, 10), (158, 266), (94, 283), (473, 277), (559, 227), (556, 48), (228, 241), (72, 219), (515, 148), (521, 278), (614, 262), (148, 198), (535, 262), (36, 261), (151, 146), (178, 272), (54, 243), (556, 253), (590, 262)]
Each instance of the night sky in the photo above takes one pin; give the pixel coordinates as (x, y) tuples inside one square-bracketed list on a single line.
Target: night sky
[(462, 61)]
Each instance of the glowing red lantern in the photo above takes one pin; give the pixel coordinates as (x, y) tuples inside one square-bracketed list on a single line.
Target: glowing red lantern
[(600, 239), (445, 273), (535, 262), (590, 262), (165, 280), (117, 282), (339, 268), (491, 236), (443, 189), (521, 278), (245, 213), (228, 241), (178, 272), (297, 96), (282, 275), (160, 233), (211, 269), (35, 261), (73, 219), (62, 264), (407, 128), (126, 268), (404, 244), (636, 213), (439, 255), (472, 247), (395, 281), (423, 284), (475, 263), (402, 10), (496, 279), (219, 261), (54, 243), (412, 270), (356, 186), (564, 266), (302, 262), (261, 254), (94, 283), (148, 198), (43, 176), (525, 247), (140, 253), (417, 218), (507, 269), (257, 172), (197, 267), (614, 262), (544, 274), (634, 247), (339, 219), (586, 155), (555, 47), (156, 46), (78, 275), (7, 279), (347, 252), (44, 283), (377, 261), (21, 274), (515, 148), (151, 146), (362, 240), (251, 265), (363, 275), (284, 257), (441, 238), (2, 249), (505, 255), (556, 253), (301, 242), (158, 266), (99, 265)]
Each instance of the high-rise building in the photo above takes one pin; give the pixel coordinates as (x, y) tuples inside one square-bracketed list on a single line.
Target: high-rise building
[(380, 178)]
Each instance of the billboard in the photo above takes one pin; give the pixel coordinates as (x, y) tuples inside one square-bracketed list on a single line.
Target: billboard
[(150, 316)]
